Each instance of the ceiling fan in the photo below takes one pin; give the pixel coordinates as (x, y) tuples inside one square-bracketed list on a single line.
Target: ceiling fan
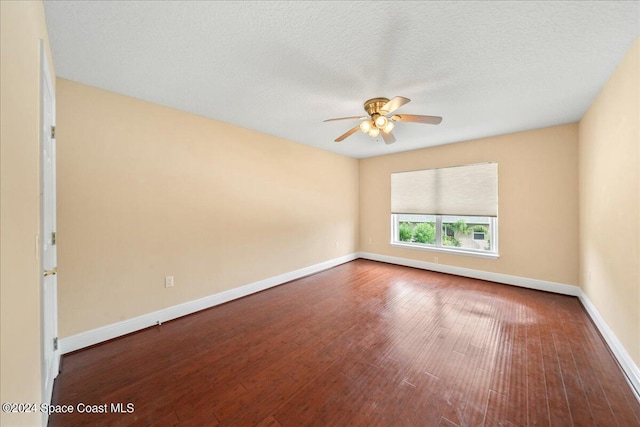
[(379, 122)]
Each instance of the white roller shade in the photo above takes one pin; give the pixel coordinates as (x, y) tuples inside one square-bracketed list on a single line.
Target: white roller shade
[(462, 190)]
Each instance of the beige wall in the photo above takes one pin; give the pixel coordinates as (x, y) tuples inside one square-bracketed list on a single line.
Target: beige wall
[(146, 192), (537, 192), (22, 25), (610, 202)]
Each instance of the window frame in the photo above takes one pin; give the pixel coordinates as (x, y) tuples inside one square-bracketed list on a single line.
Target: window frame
[(484, 235), (438, 247)]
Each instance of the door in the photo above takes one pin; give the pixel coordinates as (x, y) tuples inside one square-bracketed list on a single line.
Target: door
[(50, 353)]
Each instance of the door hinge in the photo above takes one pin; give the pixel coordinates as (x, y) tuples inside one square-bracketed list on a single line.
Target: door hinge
[(55, 343), (53, 238), (53, 132)]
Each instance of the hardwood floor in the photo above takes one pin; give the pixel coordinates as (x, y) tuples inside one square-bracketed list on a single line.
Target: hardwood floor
[(364, 343)]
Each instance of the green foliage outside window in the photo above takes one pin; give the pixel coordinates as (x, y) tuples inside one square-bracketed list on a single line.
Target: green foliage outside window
[(422, 232), (480, 229), (459, 227), (425, 232), (450, 241), (405, 232)]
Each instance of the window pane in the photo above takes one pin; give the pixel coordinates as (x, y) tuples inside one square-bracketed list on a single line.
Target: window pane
[(420, 229), (454, 233), (467, 232)]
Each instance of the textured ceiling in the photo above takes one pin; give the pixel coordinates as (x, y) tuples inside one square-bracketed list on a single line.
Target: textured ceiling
[(281, 68)]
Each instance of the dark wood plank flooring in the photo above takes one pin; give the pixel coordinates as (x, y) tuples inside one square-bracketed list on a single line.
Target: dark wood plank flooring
[(364, 343)]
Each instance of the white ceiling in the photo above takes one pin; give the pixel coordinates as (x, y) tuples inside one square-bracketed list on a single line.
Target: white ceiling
[(282, 67)]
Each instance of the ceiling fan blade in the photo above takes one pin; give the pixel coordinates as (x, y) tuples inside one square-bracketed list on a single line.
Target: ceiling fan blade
[(348, 133), (347, 118), (430, 120), (388, 137), (394, 104)]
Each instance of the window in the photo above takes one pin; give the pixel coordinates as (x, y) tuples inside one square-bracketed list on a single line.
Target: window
[(450, 209), (448, 232)]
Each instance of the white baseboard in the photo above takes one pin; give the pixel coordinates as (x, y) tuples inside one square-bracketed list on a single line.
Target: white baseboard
[(524, 282), (627, 364), (623, 358), (104, 333)]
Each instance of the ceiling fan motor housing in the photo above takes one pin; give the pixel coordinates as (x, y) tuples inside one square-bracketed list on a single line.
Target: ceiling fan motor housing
[(373, 105)]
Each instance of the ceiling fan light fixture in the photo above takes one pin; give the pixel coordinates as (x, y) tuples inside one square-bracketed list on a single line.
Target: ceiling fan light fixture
[(380, 119), (365, 126), (381, 122)]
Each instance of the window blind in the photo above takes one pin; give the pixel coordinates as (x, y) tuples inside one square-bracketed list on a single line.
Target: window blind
[(461, 190)]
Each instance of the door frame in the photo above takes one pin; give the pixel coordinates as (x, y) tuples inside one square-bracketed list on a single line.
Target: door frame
[(47, 378)]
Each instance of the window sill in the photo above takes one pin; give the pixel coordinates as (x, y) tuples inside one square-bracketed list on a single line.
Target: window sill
[(489, 255)]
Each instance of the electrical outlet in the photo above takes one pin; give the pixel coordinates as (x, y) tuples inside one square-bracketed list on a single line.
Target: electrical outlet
[(336, 244), (370, 240), (168, 282), (435, 259)]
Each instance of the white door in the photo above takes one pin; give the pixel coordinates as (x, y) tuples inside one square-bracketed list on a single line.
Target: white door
[(50, 353)]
